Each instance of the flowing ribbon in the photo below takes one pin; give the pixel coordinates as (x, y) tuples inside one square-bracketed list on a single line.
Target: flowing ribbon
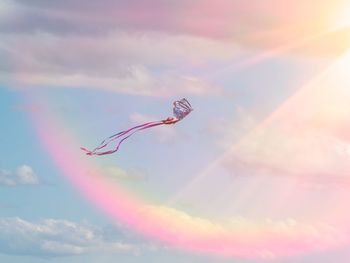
[(181, 109)]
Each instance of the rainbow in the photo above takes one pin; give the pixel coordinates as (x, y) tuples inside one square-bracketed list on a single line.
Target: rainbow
[(236, 238)]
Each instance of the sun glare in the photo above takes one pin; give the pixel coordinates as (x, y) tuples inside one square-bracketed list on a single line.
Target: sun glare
[(343, 17)]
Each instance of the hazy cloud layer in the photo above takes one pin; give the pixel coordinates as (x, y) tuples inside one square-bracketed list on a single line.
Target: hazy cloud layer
[(308, 135), (144, 64), (209, 18), (23, 175), (153, 48)]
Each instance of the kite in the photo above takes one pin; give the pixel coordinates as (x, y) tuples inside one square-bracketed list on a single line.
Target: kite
[(181, 108)]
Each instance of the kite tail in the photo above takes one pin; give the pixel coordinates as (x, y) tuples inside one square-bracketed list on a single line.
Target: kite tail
[(122, 136)]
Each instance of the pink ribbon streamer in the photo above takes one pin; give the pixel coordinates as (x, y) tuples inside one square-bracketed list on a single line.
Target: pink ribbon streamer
[(181, 109)]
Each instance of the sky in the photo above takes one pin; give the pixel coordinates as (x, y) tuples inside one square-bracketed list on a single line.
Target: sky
[(258, 172)]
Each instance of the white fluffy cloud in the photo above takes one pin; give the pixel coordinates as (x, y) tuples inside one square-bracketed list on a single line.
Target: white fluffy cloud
[(52, 238), (23, 175)]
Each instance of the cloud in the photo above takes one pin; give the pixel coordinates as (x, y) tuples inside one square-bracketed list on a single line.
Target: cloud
[(305, 155), (153, 48), (23, 175), (311, 157), (240, 236), (222, 18), (53, 238), (114, 172), (153, 64), (257, 24), (307, 136), (229, 131), (208, 18)]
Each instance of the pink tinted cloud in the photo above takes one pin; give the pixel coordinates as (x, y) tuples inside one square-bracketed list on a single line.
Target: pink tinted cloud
[(207, 17), (308, 135), (150, 64), (253, 24), (302, 27)]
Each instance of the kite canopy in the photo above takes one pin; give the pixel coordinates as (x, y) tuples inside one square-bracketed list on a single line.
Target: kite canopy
[(181, 109)]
